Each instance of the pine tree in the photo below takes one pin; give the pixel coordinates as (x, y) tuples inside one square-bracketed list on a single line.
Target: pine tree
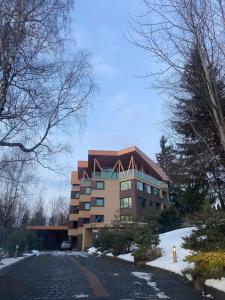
[(201, 158)]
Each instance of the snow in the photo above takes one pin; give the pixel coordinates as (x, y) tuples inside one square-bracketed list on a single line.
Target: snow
[(92, 250), (148, 277), (167, 241), (36, 252), (9, 261), (127, 257), (216, 283), (81, 296)]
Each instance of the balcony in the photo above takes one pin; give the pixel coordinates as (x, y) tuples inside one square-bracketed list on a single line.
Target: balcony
[(125, 175)]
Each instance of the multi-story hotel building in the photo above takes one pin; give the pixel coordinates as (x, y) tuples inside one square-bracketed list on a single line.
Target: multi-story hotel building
[(125, 183)]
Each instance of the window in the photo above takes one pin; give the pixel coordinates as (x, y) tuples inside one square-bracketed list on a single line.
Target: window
[(155, 191), (126, 202), (99, 201), (141, 202), (75, 195), (158, 206), (125, 185), (148, 189), (100, 185), (86, 220), (75, 224), (126, 218), (140, 185), (99, 218), (87, 205), (74, 209), (87, 190)]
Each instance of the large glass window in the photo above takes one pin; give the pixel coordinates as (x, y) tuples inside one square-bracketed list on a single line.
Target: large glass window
[(99, 201), (155, 191), (87, 190), (99, 218), (100, 185), (87, 205), (75, 195), (140, 185), (126, 202), (125, 185), (86, 220), (141, 202), (148, 189)]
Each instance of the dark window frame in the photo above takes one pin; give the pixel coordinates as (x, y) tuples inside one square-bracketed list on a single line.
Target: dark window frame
[(124, 182), (100, 198), (89, 205), (102, 218), (141, 200), (143, 185), (122, 199), (100, 181), (85, 192)]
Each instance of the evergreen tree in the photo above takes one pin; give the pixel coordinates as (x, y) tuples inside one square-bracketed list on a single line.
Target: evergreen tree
[(201, 158), (166, 156)]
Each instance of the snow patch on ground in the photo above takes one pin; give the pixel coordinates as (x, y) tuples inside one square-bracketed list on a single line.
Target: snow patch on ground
[(9, 261), (127, 257), (148, 277), (36, 252), (216, 283), (167, 241), (81, 296), (65, 253), (92, 250)]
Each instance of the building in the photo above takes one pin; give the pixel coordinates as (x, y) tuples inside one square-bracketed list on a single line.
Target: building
[(124, 182)]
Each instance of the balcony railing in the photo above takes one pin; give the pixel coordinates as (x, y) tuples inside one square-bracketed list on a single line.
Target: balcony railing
[(125, 175)]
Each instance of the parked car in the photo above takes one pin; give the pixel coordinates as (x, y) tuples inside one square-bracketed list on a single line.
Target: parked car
[(66, 245)]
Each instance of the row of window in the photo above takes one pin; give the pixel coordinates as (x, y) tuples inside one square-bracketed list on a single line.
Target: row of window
[(99, 202), (126, 202), (141, 186), (87, 190), (97, 219)]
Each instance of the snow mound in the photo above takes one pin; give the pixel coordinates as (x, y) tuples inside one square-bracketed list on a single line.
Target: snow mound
[(167, 241), (216, 283), (92, 250)]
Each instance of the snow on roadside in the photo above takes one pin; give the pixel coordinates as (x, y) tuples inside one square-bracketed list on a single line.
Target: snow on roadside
[(9, 261), (148, 277), (167, 241), (218, 284), (127, 257)]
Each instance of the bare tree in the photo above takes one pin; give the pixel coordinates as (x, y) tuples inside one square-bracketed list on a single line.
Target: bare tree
[(59, 211), (15, 182), (170, 29), (45, 82)]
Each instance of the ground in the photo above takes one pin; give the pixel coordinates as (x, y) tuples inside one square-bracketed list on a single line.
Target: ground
[(61, 275)]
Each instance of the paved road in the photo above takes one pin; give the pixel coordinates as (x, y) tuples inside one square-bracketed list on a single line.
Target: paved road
[(60, 276)]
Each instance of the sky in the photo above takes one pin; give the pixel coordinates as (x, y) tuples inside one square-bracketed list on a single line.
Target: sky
[(126, 111)]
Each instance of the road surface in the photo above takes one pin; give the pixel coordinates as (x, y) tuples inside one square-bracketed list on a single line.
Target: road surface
[(61, 275)]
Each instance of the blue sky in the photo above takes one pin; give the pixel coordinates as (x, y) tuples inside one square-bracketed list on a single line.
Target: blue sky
[(126, 110)]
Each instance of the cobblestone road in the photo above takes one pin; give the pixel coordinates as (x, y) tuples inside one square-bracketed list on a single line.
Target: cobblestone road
[(57, 275)]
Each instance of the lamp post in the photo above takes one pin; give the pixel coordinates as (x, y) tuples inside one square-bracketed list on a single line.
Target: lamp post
[(174, 254)]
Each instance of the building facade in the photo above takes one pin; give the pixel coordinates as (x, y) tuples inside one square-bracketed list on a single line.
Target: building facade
[(125, 183)]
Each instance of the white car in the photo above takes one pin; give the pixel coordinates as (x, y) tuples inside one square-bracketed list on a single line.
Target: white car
[(66, 245)]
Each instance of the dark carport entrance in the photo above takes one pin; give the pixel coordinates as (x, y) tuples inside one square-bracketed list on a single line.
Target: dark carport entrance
[(51, 236)]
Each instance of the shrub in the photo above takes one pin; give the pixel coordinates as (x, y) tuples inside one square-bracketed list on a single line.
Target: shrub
[(169, 219), (207, 264), (144, 253)]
